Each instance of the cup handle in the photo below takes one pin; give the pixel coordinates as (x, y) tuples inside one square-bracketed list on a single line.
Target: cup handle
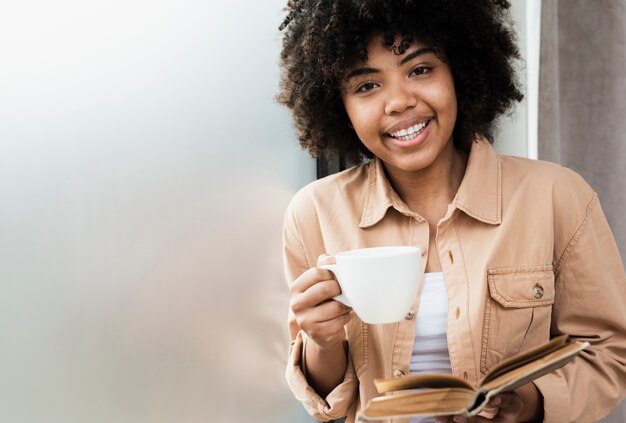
[(341, 297)]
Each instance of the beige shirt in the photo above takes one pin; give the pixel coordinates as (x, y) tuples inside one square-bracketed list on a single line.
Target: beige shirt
[(526, 253)]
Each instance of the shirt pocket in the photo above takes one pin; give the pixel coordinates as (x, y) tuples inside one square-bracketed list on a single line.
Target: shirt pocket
[(358, 340), (518, 311)]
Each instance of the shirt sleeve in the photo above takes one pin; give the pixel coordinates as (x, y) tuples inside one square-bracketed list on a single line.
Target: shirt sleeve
[(590, 305), (340, 400), (337, 402)]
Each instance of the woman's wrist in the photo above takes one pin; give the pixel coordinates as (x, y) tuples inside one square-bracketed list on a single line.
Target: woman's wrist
[(325, 366)]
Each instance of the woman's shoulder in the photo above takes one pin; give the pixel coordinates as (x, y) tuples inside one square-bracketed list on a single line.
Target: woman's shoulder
[(541, 187), (339, 186), (543, 177)]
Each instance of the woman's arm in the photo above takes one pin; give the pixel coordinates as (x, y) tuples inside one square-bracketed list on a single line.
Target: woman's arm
[(319, 372), (322, 319), (590, 305), (325, 366)]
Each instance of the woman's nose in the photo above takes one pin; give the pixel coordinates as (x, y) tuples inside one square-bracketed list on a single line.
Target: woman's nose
[(399, 99)]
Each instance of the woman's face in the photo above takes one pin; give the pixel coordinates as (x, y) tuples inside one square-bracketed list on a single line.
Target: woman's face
[(402, 107)]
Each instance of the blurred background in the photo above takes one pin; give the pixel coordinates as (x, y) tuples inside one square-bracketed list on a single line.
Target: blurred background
[(144, 170)]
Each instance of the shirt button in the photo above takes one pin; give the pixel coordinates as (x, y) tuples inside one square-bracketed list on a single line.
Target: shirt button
[(398, 373), (537, 291), (410, 315)]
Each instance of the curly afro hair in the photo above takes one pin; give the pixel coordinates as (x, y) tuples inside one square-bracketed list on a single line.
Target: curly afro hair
[(324, 37)]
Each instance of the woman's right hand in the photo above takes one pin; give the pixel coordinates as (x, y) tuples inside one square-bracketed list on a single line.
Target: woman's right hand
[(317, 314)]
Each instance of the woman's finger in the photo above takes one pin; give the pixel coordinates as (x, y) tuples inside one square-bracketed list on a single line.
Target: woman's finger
[(330, 310), (510, 404), (325, 259), (309, 278), (326, 332)]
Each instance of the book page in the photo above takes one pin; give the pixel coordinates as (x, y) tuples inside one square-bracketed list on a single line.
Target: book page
[(535, 369), (422, 380), (526, 357), (424, 403)]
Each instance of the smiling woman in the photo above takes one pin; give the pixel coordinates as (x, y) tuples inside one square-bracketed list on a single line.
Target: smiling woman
[(516, 251)]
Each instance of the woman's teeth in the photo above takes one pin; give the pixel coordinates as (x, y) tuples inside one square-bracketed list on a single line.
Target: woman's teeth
[(409, 133)]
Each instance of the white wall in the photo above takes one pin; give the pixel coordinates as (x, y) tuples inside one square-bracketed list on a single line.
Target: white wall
[(144, 170), (517, 134)]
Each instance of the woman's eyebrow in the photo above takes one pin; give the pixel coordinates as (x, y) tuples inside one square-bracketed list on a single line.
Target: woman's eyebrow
[(360, 71), (416, 53)]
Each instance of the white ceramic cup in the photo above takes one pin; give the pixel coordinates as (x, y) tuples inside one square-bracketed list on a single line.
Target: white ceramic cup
[(380, 283)]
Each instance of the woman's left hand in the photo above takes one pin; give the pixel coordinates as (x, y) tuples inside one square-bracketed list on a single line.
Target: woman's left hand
[(503, 408), (523, 405)]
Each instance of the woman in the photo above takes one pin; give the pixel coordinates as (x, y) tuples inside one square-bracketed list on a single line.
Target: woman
[(517, 251)]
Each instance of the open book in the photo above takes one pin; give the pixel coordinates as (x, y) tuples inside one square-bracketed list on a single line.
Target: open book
[(442, 394)]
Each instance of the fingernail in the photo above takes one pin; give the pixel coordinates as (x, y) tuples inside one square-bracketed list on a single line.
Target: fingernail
[(322, 257)]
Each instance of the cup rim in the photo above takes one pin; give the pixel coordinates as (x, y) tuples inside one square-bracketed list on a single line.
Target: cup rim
[(381, 251)]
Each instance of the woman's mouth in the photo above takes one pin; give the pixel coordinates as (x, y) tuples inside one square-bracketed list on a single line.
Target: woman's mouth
[(409, 133)]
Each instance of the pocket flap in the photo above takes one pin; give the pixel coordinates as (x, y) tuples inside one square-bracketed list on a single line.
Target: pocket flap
[(522, 287)]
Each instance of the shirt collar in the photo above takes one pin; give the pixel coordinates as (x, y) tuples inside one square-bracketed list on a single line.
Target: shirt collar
[(479, 195)]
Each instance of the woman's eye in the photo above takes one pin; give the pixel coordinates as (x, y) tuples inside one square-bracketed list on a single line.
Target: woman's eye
[(420, 70), (366, 87)]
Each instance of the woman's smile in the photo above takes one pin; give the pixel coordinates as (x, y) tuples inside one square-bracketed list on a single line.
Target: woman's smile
[(410, 136)]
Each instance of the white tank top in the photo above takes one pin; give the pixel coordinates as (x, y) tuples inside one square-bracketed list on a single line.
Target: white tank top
[(430, 349)]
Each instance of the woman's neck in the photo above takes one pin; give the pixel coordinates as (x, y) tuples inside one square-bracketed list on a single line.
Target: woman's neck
[(429, 191)]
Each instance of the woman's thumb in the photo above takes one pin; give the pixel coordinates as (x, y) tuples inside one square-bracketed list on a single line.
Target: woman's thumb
[(325, 259)]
